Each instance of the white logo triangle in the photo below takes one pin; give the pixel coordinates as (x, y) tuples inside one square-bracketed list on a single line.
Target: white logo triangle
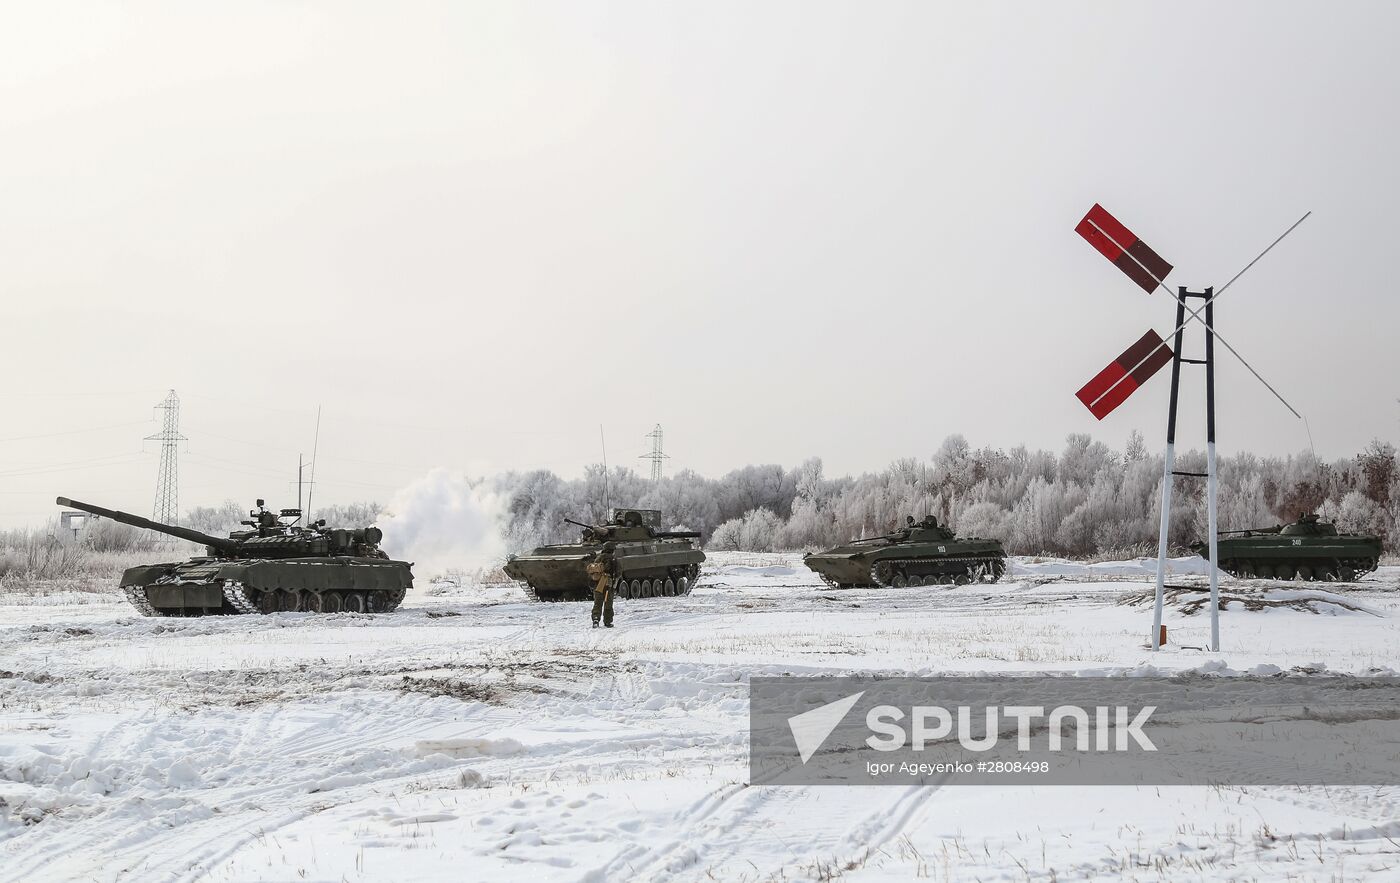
[(810, 728)]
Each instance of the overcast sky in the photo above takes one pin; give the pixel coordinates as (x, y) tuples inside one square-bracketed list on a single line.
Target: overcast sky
[(472, 232)]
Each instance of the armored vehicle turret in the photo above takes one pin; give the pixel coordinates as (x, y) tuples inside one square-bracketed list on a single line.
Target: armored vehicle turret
[(275, 564), (920, 553), (1307, 549), (649, 562)]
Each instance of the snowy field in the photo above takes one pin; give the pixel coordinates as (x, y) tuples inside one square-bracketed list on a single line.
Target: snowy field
[(475, 736)]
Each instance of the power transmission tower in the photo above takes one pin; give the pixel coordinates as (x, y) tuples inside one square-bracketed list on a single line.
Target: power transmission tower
[(167, 507), (656, 455)]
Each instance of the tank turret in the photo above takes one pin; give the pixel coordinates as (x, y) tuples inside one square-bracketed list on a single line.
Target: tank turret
[(276, 564)]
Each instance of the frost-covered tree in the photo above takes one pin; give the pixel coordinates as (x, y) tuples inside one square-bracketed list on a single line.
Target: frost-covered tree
[(1086, 500)]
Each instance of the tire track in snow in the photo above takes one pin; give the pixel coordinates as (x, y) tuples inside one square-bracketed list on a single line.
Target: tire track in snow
[(270, 794), (756, 820)]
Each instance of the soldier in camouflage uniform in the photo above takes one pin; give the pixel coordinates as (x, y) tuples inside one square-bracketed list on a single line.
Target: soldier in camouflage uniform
[(602, 570)]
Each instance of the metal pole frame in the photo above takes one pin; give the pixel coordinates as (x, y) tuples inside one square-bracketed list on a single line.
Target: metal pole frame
[(1169, 472)]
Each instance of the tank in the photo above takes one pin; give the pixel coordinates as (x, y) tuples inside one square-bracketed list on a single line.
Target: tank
[(274, 565), (1307, 549), (919, 554), (651, 563)]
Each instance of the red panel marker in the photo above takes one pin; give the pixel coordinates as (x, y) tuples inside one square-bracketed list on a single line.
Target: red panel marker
[(1121, 246), (1112, 386)]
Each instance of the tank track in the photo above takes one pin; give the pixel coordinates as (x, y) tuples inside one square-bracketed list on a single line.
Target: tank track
[(1312, 570), (977, 569), (624, 588), (551, 597), (136, 595), (238, 597)]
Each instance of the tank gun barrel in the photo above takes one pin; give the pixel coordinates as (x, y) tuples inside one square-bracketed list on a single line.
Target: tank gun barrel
[(183, 533), (578, 523), (676, 534)]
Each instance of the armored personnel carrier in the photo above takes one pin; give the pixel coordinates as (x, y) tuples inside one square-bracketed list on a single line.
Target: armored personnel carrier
[(919, 554), (650, 562), (1307, 549), (273, 565)]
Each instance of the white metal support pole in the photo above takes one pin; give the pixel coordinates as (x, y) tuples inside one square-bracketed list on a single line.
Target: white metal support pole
[(1214, 549), (1211, 482), (1168, 473), (1155, 640)]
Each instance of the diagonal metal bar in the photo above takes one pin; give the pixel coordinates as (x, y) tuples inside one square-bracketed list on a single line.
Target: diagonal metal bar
[(1195, 315)]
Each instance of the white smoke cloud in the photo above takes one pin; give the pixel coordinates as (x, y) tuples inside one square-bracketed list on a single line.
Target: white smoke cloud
[(442, 522)]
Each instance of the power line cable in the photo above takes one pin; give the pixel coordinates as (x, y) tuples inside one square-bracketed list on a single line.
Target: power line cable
[(77, 431)]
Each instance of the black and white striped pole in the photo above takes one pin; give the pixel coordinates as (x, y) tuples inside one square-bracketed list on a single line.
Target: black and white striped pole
[(1170, 473)]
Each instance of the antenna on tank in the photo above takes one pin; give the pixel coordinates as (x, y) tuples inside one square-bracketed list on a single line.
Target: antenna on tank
[(311, 485), (602, 440)]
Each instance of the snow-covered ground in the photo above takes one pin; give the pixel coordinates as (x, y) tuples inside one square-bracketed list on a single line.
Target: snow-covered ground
[(474, 736)]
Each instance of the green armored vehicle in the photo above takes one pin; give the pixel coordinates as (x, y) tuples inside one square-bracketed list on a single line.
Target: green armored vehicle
[(273, 565), (1307, 549), (651, 563), (919, 554)]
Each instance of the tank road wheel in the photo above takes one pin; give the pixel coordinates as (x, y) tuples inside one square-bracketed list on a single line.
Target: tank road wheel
[(1346, 573), (355, 602), (1305, 573), (635, 589), (648, 590), (269, 601), (682, 586), (1284, 571), (670, 587), (332, 602), (898, 581), (312, 602)]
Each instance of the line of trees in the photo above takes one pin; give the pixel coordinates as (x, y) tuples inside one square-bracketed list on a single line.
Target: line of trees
[(1087, 500)]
